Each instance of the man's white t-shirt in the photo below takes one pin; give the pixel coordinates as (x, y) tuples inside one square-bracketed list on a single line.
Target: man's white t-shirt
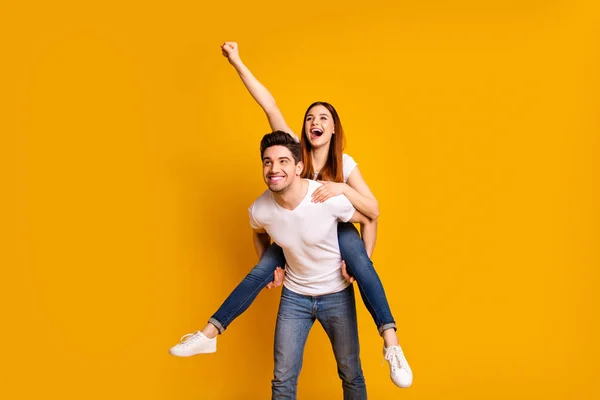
[(309, 239)]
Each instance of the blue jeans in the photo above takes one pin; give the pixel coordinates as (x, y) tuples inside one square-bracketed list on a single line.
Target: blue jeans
[(337, 314), (358, 265)]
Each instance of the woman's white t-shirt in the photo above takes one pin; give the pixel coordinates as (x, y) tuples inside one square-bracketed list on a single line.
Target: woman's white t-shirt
[(348, 166), (348, 162)]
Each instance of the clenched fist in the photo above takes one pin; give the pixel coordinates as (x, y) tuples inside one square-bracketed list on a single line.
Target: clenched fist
[(230, 51)]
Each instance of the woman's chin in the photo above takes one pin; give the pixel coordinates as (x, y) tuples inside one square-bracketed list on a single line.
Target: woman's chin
[(318, 142)]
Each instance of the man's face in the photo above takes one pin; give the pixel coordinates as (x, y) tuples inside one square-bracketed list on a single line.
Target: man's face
[(279, 170)]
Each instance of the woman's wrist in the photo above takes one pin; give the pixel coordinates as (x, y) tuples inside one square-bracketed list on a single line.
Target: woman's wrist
[(237, 64), (345, 188)]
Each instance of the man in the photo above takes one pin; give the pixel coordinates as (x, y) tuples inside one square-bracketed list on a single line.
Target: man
[(314, 288)]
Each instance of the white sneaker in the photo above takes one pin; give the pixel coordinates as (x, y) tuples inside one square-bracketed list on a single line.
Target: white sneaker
[(400, 372), (194, 343)]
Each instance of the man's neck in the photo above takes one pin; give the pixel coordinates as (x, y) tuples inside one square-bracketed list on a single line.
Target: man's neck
[(293, 195), (319, 157)]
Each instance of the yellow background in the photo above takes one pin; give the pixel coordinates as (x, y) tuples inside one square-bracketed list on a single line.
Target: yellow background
[(130, 154)]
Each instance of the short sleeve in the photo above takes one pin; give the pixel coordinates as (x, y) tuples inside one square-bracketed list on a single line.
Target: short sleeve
[(253, 222), (341, 208), (348, 165)]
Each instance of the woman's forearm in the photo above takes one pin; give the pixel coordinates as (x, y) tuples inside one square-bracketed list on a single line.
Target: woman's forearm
[(263, 97), (368, 233), (366, 205), (259, 92)]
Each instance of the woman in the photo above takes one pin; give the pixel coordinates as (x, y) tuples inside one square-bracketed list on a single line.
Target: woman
[(322, 144)]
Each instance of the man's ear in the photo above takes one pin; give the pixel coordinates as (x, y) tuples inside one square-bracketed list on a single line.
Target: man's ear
[(299, 168)]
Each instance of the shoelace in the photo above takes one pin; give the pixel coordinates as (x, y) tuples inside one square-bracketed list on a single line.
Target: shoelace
[(394, 354), (189, 338)]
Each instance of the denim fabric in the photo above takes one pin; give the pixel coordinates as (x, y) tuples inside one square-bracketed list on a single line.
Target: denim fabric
[(337, 314), (358, 265), (245, 293)]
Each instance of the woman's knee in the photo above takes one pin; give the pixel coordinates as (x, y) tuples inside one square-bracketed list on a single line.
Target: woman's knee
[(272, 258)]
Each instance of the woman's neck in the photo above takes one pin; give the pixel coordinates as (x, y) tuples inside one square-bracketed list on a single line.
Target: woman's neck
[(319, 157)]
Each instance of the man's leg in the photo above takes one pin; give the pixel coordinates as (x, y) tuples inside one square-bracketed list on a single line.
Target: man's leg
[(337, 313), (294, 320)]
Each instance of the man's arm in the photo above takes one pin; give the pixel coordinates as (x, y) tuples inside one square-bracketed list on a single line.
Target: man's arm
[(261, 240), (368, 230)]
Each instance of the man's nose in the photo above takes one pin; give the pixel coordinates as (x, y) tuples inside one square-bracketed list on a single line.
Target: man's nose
[(275, 167)]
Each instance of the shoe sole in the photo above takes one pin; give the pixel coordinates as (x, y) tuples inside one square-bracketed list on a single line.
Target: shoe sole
[(191, 355)]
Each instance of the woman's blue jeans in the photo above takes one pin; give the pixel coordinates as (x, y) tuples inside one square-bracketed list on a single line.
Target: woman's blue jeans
[(358, 265)]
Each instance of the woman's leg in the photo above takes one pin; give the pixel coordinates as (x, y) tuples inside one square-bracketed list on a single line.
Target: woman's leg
[(237, 302), (245, 293), (360, 266)]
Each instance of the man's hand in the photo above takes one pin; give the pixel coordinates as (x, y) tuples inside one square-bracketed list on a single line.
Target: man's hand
[(345, 273), (230, 51), (278, 277)]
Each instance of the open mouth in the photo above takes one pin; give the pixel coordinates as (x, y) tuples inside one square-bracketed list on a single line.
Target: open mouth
[(316, 132), (276, 178)]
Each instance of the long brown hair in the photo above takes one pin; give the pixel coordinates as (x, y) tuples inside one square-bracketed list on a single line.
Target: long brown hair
[(333, 168)]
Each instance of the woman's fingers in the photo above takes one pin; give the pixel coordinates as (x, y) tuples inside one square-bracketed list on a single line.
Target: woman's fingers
[(320, 195)]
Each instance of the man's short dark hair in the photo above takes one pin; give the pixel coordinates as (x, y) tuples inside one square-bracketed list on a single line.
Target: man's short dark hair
[(280, 138)]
